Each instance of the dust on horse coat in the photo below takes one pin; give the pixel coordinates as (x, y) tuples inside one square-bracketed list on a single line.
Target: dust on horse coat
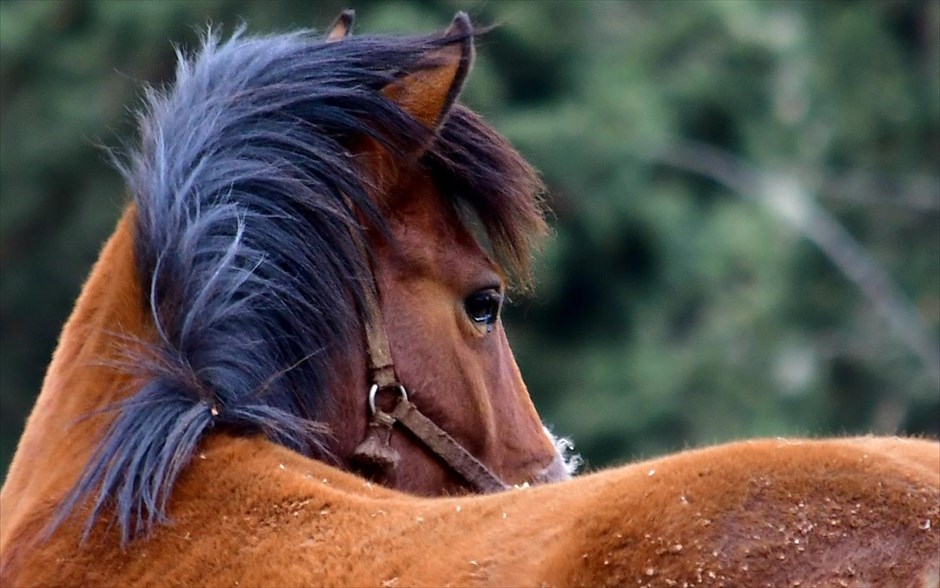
[(850, 512), (248, 505)]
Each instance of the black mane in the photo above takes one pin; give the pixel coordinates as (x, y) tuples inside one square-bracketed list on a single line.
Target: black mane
[(245, 190)]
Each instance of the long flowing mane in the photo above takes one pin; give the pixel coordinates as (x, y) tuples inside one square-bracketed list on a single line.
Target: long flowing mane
[(248, 196)]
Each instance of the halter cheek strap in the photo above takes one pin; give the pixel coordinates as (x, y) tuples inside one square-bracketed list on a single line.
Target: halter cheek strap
[(381, 366), (375, 456)]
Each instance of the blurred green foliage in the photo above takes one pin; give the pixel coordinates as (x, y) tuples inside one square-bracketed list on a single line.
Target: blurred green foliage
[(678, 302)]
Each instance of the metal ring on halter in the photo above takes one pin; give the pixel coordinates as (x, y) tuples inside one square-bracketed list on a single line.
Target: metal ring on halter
[(375, 390)]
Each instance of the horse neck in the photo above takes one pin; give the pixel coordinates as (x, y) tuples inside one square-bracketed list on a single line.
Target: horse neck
[(81, 379)]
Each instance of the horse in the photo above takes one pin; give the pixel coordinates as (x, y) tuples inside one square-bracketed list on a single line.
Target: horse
[(287, 368)]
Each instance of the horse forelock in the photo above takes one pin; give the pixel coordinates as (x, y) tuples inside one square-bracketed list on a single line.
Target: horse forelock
[(477, 166), (247, 197)]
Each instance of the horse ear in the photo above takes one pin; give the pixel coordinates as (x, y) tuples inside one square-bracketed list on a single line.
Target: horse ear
[(428, 92), (342, 26)]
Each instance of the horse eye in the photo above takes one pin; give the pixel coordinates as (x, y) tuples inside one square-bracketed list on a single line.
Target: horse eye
[(483, 306)]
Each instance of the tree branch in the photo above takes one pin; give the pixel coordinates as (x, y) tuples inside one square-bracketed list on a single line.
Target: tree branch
[(790, 202)]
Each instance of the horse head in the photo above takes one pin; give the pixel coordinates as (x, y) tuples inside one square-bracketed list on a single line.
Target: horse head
[(300, 206), (440, 293)]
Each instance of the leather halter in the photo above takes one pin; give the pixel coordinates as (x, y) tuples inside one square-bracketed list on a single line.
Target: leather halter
[(375, 456)]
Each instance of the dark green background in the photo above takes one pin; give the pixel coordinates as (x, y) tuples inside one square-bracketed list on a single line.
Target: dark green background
[(693, 150)]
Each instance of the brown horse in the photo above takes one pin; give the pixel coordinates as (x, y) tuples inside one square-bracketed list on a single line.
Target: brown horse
[(277, 182)]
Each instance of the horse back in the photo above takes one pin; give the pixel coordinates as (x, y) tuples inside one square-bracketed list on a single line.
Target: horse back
[(846, 512)]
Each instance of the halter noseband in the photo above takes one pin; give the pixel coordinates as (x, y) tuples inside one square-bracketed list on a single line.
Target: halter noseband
[(375, 456)]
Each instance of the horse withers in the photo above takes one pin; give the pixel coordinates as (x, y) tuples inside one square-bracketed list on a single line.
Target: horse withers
[(295, 292)]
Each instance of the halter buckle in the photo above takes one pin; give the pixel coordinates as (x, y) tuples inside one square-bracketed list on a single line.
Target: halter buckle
[(375, 389)]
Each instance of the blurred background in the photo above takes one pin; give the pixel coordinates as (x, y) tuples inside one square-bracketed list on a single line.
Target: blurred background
[(746, 199)]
